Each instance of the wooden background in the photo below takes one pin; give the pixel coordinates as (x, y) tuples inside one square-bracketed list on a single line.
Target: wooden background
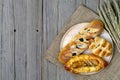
[(27, 27)]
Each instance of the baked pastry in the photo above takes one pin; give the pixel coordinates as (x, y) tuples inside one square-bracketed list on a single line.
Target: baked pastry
[(85, 63), (101, 47), (81, 38), (72, 49), (81, 41), (93, 29)]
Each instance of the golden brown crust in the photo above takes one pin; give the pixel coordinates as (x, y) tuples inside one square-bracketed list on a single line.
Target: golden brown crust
[(93, 29), (85, 63), (72, 49), (101, 47), (79, 36)]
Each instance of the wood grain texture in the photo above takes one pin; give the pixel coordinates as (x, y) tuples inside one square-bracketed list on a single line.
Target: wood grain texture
[(20, 39), (28, 17), (65, 10), (50, 9), (92, 4), (39, 31), (0, 39), (32, 19), (78, 2), (7, 41)]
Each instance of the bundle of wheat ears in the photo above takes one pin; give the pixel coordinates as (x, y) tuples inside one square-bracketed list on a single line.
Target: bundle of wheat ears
[(109, 13)]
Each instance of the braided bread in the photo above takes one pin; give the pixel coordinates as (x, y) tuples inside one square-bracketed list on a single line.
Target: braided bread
[(101, 47)]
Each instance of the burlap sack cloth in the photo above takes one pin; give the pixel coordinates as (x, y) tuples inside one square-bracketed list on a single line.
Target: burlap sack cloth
[(83, 14)]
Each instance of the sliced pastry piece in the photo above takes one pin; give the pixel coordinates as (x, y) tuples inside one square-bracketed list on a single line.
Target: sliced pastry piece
[(81, 38), (101, 47), (72, 49), (93, 29), (85, 63)]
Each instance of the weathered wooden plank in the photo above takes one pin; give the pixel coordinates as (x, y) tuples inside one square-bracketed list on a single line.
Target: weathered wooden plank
[(28, 39), (39, 32), (7, 41), (20, 39), (32, 24), (92, 4), (44, 48), (66, 8), (1, 7), (78, 2), (50, 17)]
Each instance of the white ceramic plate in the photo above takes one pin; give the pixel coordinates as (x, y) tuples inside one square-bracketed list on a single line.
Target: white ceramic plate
[(75, 30)]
